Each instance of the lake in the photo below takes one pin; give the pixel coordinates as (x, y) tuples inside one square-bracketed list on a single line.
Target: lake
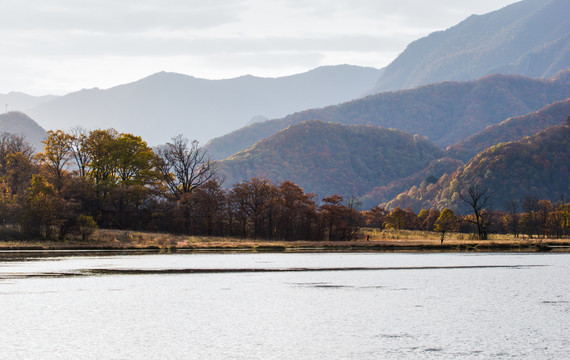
[(285, 306)]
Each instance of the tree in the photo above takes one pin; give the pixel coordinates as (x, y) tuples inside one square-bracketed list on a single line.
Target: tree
[(132, 173), (544, 208), (79, 150), (558, 219), (295, 212), (40, 208), (402, 219), (529, 220), (210, 199), (338, 219), (18, 172), (9, 205), (99, 146), (479, 202), (253, 200), (512, 218), (447, 221), (11, 144), (427, 218), (133, 160), (396, 219), (376, 217), (56, 155), (184, 166)]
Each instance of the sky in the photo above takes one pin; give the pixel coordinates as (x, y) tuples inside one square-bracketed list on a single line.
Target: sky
[(60, 46)]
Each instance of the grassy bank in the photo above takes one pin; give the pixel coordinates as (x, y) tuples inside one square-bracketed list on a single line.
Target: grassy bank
[(387, 240)]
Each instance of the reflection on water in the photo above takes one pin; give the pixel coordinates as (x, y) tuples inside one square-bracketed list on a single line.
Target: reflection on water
[(287, 306)]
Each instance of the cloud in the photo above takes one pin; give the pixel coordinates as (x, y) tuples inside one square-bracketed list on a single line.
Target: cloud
[(108, 16), (105, 42), (65, 44)]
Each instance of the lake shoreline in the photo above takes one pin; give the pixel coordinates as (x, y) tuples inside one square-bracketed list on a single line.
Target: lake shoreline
[(205, 244), (104, 240)]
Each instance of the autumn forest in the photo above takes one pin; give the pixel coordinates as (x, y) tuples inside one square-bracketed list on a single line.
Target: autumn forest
[(105, 179)]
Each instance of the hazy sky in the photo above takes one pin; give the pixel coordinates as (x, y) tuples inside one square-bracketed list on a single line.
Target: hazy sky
[(59, 46)]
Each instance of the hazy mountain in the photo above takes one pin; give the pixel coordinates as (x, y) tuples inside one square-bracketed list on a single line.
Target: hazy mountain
[(327, 158), (446, 112), (537, 166), (164, 105), (530, 38), (19, 123), (512, 129), (16, 101)]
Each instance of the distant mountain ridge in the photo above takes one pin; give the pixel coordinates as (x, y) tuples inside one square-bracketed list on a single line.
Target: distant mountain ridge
[(529, 38), (17, 101), (512, 129), (445, 112), (164, 105), (328, 158)]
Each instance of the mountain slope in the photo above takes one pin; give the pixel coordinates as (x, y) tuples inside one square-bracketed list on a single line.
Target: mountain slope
[(328, 159), (21, 124), (166, 104), (446, 112), (530, 38), (435, 170), (512, 129), (537, 166)]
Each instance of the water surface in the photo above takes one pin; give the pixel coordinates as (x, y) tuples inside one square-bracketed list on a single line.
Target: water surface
[(294, 306)]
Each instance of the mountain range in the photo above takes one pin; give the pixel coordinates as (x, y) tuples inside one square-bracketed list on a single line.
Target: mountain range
[(445, 112), (379, 165), (529, 38), (17, 101), (165, 105), (485, 102)]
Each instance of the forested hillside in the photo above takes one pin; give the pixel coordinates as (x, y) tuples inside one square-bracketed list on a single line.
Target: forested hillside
[(429, 175), (537, 166), (446, 112), (327, 158), (529, 38), (512, 129)]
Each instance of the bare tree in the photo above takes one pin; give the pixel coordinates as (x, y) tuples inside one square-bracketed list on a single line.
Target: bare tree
[(512, 207), (479, 201), (13, 144), (530, 218), (78, 147), (184, 166)]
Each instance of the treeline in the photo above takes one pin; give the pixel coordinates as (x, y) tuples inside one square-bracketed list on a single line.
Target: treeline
[(102, 178), (530, 216)]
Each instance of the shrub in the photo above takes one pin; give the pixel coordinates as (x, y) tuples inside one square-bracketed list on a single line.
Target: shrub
[(87, 226)]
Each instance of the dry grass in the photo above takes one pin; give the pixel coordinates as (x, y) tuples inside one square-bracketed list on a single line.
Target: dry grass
[(386, 240), (431, 238)]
